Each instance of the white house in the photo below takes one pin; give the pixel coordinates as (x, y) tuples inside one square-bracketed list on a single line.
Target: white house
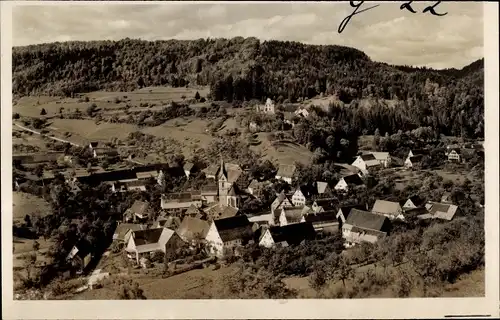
[(413, 203), (289, 216), (302, 112), (302, 195), (348, 182), (268, 107), (362, 226), (281, 201), (228, 233), (148, 241), (384, 158), (265, 239)]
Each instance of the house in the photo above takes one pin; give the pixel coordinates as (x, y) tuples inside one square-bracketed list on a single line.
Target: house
[(128, 185), (226, 234), (268, 107), (446, 198), (211, 171), (443, 211), (140, 211), (124, 230), (101, 153), (390, 209), (147, 175), (460, 154), (302, 195), (253, 126), (193, 229), (178, 203), (218, 211), (167, 222), (413, 202), (301, 112), (325, 204), (145, 242), (80, 256), (194, 211), (293, 234), (264, 238), (188, 168), (280, 202), (365, 162), (363, 226), (384, 158), (290, 216), (323, 189), (348, 182), (286, 172), (344, 211), (325, 221), (93, 145), (415, 157)]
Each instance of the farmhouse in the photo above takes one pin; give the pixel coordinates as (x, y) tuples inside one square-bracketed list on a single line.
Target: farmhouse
[(460, 154), (391, 210), (224, 235), (344, 211), (415, 157), (413, 202), (365, 162), (348, 182), (286, 172), (268, 107), (326, 221), (291, 215), (193, 229), (280, 202), (321, 205), (443, 211), (146, 242), (302, 195), (293, 234), (124, 230), (79, 257), (139, 211), (362, 226)]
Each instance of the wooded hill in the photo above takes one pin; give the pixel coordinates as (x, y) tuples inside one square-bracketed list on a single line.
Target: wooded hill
[(246, 68)]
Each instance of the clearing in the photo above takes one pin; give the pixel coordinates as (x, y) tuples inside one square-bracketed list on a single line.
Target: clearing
[(25, 203)]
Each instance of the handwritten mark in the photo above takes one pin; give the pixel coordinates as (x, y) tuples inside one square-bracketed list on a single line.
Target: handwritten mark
[(353, 4), (404, 6)]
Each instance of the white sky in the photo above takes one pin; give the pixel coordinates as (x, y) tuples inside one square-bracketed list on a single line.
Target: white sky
[(385, 33)]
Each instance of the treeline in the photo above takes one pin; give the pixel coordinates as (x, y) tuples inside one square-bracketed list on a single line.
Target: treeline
[(246, 68)]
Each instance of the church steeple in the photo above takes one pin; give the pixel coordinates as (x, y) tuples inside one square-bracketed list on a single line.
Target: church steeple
[(222, 169)]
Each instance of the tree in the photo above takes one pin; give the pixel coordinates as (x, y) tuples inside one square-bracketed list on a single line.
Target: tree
[(43, 112), (197, 95), (36, 245), (91, 109), (344, 270)]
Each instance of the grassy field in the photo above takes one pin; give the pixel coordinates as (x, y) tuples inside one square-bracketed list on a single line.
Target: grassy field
[(25, 203), (88, 129)]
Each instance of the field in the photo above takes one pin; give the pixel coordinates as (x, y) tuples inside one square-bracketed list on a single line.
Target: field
[(25, 203)]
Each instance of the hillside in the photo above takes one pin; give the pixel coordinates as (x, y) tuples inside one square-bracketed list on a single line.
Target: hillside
[(246, 68)]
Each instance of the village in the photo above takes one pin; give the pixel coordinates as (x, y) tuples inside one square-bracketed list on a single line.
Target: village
[(212, 217)]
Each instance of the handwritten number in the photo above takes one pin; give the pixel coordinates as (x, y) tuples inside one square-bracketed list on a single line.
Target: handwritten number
[(432, 11), (356, 6), (407, 6)]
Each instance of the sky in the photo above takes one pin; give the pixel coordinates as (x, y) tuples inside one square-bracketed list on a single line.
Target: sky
[(385, 33)]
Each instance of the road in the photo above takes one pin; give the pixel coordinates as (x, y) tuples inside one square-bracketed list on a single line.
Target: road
[(50, 137)]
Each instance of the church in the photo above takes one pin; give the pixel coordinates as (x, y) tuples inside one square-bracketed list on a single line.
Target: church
[(232, 179)]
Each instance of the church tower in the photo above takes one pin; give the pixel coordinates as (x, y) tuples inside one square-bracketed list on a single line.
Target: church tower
[(224, 184)]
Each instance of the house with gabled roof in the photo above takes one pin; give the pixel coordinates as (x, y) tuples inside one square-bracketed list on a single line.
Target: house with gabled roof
[(302, 195), (228, 233), (413, 202), (80, 256), (139, 211), (415, 157), (194, 211), (211, 171), (344, 211), (325, 221), (363, 226), (443, 211), (188, 168), (218, 211), (167, 222), (193, 229), (143, 243), (366, 162), (263, 217), (290, 215), (293, 234), (446, 198), (323, 188), (325, 204), (178, 203), (390, 209), (267, 108), (286, 172), (348, 182), (101, 153), (281, 201), (123, 231)]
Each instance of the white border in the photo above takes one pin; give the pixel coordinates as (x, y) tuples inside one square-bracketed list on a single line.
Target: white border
[(260, 309)]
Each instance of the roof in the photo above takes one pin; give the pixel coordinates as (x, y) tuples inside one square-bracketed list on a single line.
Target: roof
[(254, 184), (417, 158), (147, 174), (367, 157), (188, 166), (346, 210), (381, 155), (416, 200), (353, 179), (233, 228), (211, 170), (139, 207), (191, 228), (122, 229), (193, 210), (293, 233), (321, 187), (94, 144), (149, 236), (286, 170), (386, 207), (209, 189), (168, 222), (232, 192), (232, 171), (219, 211), (420, 152), (279, 199), (442, 210), (321, 217), (294, 214), (366, 220), (327, 204)]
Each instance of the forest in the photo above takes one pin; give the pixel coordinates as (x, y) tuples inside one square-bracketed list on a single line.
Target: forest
[(241, 69)]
